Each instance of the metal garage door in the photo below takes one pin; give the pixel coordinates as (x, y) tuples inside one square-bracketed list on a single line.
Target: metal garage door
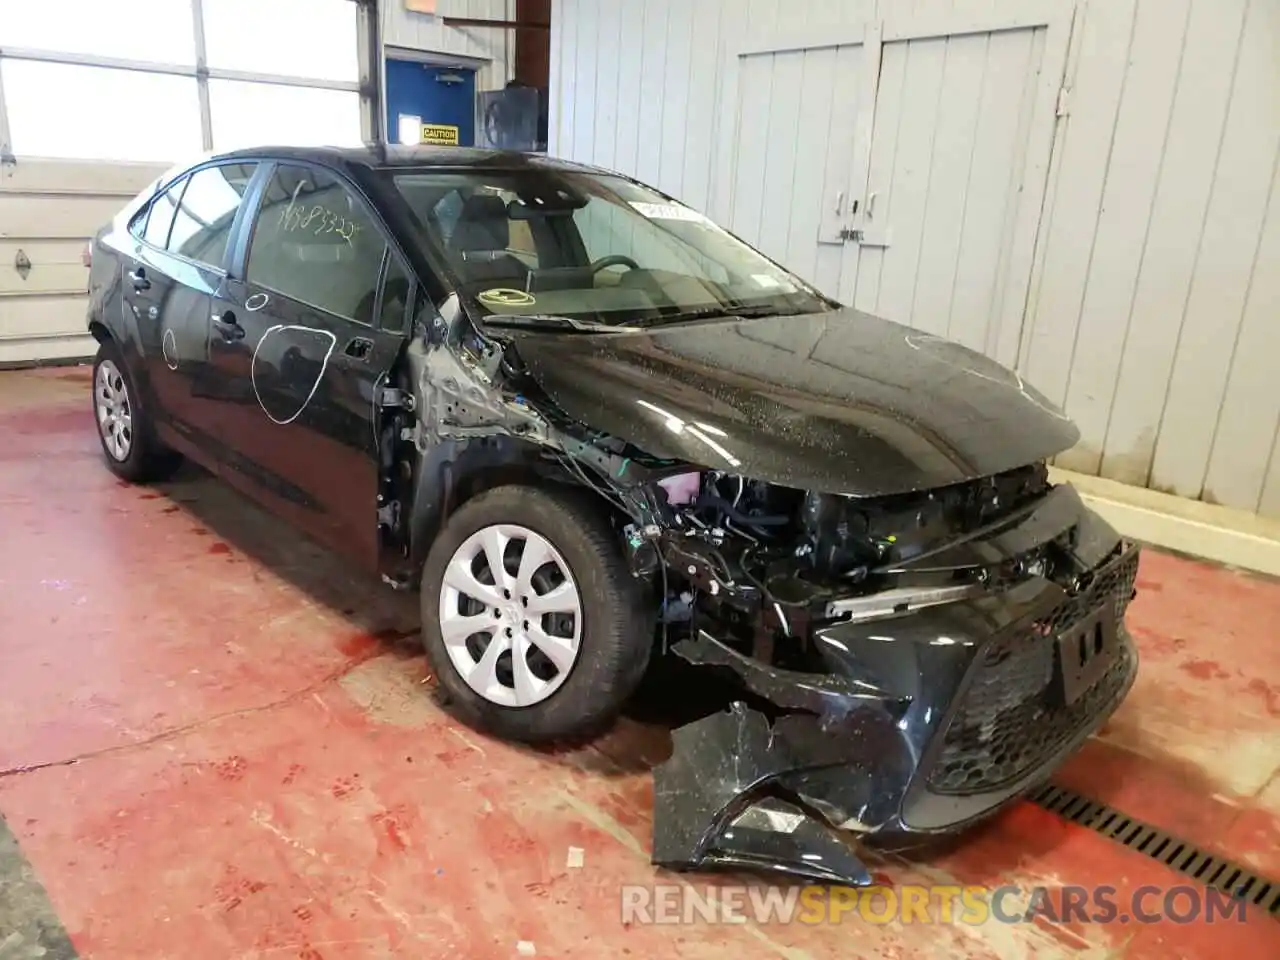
[(75, 75), (47, 210), (901, 163)]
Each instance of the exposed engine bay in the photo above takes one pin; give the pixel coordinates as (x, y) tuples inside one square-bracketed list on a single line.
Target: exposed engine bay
[(765, 562)]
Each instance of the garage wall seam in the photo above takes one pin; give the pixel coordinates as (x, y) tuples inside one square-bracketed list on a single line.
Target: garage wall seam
[(202, 75), (6, 144)]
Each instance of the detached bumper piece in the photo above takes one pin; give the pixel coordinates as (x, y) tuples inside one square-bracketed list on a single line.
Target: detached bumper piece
[(712, 809)]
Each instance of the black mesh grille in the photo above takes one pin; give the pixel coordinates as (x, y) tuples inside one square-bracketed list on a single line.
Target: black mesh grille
[(1008, 721)]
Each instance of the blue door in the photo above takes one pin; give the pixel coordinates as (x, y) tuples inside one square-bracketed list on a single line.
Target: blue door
[(441, 98)]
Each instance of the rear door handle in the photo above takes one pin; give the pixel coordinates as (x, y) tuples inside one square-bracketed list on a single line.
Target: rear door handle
[(139, 278), (359, 347), (227, 325)]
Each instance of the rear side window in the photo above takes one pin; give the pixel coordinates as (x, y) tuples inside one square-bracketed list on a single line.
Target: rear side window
[(206, 211), (315, 242), (160, 216)]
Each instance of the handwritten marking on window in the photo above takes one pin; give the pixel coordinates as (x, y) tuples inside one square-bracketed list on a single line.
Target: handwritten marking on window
[(316, 219)]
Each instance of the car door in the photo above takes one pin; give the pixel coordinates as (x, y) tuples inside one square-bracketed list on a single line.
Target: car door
[(304, 335), (178, 265), (153, 297)]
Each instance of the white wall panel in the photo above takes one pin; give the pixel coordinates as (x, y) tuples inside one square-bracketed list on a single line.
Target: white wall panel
[(1153, 298), (1226, 258), (49, 210), (1163, 362), (1183, 190), (1108, 212)]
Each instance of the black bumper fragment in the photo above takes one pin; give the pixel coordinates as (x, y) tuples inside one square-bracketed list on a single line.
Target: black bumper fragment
[(920, 725)]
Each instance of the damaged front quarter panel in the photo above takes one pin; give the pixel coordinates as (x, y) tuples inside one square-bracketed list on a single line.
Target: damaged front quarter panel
[(472, 427)]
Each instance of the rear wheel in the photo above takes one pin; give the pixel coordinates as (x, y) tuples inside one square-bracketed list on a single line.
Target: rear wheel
[(125, 430), (533, 624)]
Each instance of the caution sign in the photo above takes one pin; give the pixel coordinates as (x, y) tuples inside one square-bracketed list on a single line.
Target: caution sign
[(439, 134)]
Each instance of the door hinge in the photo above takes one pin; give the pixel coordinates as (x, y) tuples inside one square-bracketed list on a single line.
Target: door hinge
[(396, 398), (1064, 101)]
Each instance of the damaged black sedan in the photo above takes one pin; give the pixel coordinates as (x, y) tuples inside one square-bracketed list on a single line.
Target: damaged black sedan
[(597, 430)]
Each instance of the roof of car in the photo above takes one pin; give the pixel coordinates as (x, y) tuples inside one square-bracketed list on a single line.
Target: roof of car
[(393, 156)]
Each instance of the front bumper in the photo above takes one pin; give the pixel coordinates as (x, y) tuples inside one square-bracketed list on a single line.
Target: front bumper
[(922, 724)]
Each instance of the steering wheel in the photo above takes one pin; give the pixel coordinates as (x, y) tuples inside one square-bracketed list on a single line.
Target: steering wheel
[(613, 260)]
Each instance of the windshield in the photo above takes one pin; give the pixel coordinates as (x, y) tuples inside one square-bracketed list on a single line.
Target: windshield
[(541, 244)]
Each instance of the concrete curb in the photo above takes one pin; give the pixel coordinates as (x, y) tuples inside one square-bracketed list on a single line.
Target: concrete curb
[(1222, 534)]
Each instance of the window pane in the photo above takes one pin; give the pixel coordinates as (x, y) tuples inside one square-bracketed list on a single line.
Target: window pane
[(208, 207), (257, 114), (314, 242), (106, 29), (300, 38), (395, 297), (161, 216), (84, 112)]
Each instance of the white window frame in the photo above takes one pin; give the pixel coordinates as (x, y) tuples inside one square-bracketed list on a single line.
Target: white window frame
[(202, 73)]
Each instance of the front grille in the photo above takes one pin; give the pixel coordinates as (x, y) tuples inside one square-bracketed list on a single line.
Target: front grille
[(1008, 722)]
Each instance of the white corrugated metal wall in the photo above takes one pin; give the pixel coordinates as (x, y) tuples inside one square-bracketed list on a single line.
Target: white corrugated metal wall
[(1112, 241)]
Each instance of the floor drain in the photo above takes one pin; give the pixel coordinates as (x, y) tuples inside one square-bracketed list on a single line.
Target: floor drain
[(1188, 859)]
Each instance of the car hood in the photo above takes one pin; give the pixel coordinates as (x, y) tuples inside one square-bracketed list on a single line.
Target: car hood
[(840, 401)]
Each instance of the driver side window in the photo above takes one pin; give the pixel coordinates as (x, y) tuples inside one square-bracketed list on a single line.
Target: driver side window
[(316, 243)]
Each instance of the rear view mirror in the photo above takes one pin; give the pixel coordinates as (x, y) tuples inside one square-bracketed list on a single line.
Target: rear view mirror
[(520, 211), (554, 203)]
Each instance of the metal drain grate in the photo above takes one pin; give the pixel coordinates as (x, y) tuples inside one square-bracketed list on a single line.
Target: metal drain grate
[(1188, 859)]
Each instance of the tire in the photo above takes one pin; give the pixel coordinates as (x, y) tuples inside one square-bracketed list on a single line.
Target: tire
[(612, 622), (125, 428)]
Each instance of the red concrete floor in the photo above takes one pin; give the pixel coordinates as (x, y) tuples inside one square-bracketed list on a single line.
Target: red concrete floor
[(216, 743)]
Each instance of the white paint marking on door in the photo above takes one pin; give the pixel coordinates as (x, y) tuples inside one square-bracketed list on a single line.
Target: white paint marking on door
[(169, 348), (253, 368)]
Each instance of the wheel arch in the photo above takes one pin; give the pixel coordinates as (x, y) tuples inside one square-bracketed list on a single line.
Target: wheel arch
[(453, 472)]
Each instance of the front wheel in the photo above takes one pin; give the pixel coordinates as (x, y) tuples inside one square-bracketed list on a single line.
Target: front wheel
[(532, 622)]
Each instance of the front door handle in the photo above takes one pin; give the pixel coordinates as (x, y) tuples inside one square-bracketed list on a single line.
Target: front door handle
[(139, 278), (359, 348), (227, 325)]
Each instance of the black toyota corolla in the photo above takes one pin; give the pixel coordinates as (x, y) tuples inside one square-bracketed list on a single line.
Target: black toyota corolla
[(597, 430)]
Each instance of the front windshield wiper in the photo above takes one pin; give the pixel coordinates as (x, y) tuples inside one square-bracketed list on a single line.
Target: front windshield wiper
[(726, 311), (550, 321)]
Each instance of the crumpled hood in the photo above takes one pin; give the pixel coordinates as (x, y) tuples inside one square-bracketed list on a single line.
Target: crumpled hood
[(840, 402)]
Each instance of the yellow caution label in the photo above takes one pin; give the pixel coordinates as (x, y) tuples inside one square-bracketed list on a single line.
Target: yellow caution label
[(439, 134)]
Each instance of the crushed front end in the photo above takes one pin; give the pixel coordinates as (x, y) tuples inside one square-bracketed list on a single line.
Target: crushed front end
[(903, 665)]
